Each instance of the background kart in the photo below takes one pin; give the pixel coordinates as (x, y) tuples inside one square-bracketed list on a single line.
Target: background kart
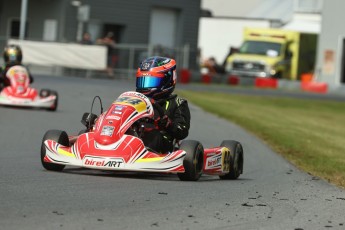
[(19, 93), (112, 142)]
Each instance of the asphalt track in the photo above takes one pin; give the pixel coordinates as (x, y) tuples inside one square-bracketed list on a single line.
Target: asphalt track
[(271, 194)]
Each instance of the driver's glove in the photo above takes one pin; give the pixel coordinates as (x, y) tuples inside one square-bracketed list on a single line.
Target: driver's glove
[(163, 122)]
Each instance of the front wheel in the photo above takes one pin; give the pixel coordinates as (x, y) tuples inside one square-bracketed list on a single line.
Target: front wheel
[(193, 161), (60, 137), (236, 159)]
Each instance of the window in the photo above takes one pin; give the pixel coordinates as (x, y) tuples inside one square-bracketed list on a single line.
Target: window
[(15, 28)]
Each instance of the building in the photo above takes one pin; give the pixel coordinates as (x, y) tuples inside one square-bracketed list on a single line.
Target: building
[(168, 24), (330, 65)]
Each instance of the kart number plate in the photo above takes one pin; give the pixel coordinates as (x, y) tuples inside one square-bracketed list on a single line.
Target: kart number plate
[(107, 131)]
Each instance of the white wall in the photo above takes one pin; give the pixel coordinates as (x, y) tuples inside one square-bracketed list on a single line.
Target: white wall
[(330, 44), (233, 8), (62, 54), (217, 35)]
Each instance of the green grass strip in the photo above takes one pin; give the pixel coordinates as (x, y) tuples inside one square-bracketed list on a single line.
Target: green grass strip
[(309, 133)]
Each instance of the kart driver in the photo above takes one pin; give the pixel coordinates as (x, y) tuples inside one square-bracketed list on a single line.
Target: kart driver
[(13, 56), (156, 78)]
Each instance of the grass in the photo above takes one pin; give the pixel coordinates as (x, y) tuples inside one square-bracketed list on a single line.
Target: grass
[(309, 133)]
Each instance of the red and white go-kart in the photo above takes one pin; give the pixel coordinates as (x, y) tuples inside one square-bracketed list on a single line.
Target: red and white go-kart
[(112, 142), (20, 94)]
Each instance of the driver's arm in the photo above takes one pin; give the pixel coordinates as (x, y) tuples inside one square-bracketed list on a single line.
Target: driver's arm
[(179, 128)]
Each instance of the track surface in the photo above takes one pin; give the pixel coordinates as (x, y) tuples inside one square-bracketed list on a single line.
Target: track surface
[(271, 194)]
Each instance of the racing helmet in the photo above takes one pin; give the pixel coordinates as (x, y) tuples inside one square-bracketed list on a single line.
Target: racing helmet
[(13, 54), (156, 77)]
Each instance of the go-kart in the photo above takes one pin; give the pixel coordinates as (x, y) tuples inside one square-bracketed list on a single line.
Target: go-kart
[(20, 94), (111, 141)]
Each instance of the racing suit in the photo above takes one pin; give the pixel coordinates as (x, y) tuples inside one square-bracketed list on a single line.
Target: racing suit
[(169, 127), (4, 81)]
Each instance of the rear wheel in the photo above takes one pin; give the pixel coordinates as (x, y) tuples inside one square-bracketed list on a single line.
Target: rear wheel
[(193, 161), (60, 137), (236, 159)]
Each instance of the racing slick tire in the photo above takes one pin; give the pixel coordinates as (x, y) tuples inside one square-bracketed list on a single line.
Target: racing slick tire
[(236, 159), (193, 161), (54, 107), (60, 137)]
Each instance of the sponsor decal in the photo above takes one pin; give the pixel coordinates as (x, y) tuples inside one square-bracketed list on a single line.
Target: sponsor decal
[(104, 162), (213, 162), (142, 96), (113, 117), (107, 131), (164, 62), (119, 107), (146, 66), (174, 76), (129, 100), (135, 94)]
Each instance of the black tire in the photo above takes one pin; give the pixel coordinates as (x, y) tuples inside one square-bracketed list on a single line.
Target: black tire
[(54, 108), (59, 136), (193, 161), (45, 92), (236, 159)]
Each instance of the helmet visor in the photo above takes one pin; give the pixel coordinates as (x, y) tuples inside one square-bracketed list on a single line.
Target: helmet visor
[(12, 57), (149, 82)]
